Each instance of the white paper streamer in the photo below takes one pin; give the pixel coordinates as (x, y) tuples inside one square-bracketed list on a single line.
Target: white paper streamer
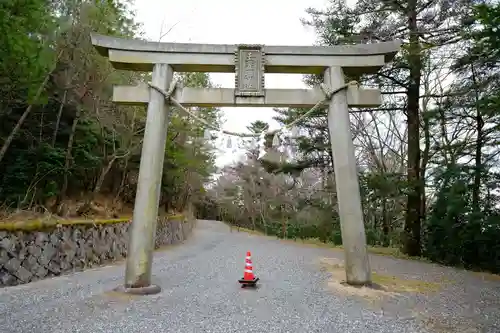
[(207, 135), (276, 140)]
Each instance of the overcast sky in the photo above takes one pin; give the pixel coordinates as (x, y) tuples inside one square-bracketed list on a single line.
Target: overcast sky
[(270, 22)]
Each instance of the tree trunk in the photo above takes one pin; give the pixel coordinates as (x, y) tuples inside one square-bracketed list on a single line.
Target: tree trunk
[(102, 176), (284, 222), (261, 211), (412, 221), (423, 167), (476, 189), (58, 120), (67, 161), (124, 178), (385, 224)]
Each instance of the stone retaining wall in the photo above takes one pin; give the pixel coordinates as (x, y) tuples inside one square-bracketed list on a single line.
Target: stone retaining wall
[(37, 250)]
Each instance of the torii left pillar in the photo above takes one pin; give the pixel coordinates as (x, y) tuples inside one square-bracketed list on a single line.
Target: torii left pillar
[(143, 228)]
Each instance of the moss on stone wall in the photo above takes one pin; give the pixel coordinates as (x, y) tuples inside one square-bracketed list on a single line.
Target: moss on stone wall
[(40, 225), (38, 249)]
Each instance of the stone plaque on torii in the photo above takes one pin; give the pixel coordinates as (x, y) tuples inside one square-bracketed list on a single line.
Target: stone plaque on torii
[(249, 63), (249, 71)]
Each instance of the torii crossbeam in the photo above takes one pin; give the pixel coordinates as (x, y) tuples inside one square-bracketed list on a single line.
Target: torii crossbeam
[(249, 63)]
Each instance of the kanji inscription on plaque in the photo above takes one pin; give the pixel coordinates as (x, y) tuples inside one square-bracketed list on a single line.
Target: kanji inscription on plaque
[(249, 65)]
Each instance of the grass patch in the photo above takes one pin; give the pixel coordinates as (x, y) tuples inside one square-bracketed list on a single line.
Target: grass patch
[(316, 242), (487, 276), (393, 252), (395, 284), (389, 285)]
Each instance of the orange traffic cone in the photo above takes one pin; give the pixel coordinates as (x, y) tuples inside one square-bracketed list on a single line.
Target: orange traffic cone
[(249, 278)]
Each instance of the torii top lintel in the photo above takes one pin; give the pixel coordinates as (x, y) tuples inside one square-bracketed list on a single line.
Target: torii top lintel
[(140, 55)]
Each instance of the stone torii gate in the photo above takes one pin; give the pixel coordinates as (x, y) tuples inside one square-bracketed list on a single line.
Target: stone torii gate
[(249, 63)]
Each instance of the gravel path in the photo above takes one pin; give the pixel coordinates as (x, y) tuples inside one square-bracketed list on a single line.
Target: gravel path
[(201, 294)]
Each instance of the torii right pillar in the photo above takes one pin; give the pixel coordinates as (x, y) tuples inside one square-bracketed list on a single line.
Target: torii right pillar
[(357, 266)]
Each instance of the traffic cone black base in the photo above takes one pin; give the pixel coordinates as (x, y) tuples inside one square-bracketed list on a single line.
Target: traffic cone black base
[(248, 283)]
